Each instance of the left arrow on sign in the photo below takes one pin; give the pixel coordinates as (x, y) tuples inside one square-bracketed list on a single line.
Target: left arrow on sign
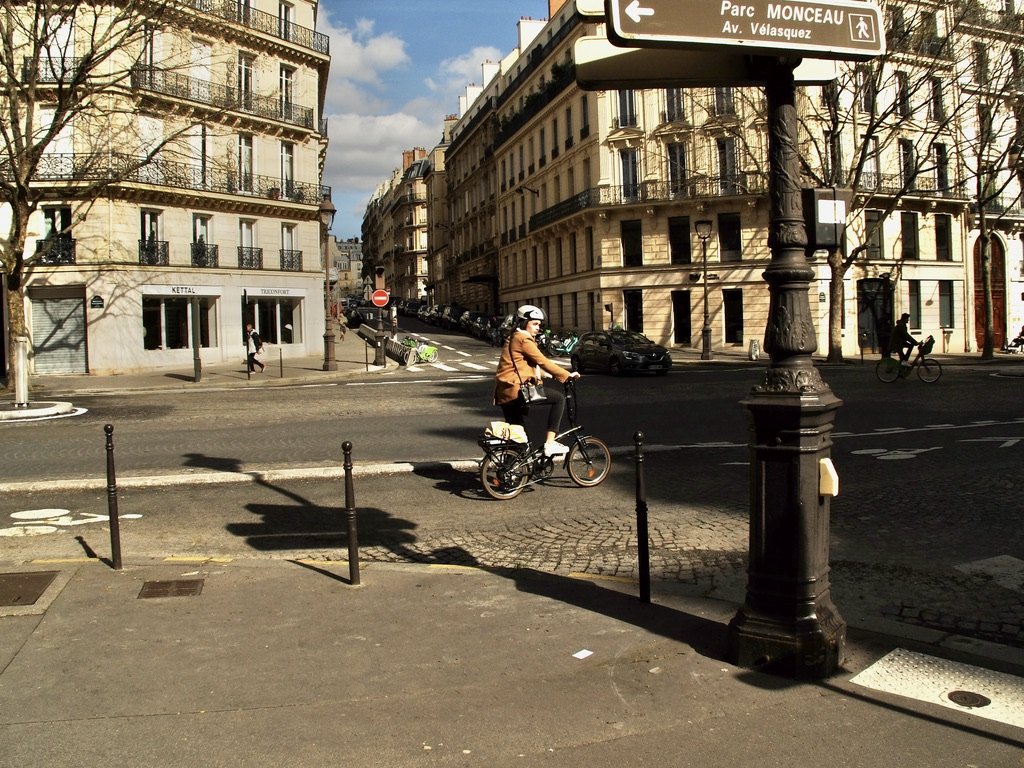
[(635, 11)]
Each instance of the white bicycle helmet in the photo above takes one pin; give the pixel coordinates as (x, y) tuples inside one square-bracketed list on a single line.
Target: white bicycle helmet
[(529, 312)]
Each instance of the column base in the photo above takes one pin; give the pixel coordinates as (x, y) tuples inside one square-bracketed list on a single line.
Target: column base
[(811, 648)]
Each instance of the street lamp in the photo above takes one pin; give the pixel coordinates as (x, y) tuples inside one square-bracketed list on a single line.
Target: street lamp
[(327, 211), (703, 228)]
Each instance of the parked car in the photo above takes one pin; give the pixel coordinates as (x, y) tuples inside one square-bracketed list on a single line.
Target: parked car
[(620, 351)]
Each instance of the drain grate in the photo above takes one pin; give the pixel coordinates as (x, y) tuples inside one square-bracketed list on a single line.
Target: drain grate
[(178, 588), (968, 699), (24, 588)]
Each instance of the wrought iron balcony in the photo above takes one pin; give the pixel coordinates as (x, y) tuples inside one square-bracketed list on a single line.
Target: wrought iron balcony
[(56, 250), (49, 70), (921, 186), (154, 253), (204, 255), (192, 89), (695, 188), (250, 258), (291, 261), (129, 169), (233, 10)]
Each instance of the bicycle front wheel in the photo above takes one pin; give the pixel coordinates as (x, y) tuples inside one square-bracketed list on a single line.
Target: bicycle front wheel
[(502, 474), (589, 462), (428, 354), (928, 370), (888, 369)]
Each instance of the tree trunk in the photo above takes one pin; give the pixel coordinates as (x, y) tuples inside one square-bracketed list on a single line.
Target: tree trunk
[(15, 328), (836, 306)]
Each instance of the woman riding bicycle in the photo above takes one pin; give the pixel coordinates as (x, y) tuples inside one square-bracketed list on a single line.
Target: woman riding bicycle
[(521, 362)]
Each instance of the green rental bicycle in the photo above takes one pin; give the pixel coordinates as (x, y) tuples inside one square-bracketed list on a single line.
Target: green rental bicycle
[(418, 351)]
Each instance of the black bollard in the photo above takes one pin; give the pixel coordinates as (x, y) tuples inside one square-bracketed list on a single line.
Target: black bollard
[(115, 530), (350, 516), (642, 544)]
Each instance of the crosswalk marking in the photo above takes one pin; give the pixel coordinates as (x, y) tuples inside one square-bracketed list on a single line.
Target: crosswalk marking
[(476, 367)]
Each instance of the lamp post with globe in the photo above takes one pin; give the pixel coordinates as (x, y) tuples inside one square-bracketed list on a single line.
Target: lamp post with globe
[(327, 211)]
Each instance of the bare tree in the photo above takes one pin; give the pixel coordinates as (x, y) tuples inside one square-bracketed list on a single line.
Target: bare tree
[(897, 111), (69, 129), (990, 70)]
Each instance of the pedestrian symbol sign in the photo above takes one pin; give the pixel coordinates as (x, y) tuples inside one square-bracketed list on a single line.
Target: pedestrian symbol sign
[(829, 29)]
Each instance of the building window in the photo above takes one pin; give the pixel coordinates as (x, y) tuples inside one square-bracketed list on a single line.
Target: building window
[(946, 314), (908, 164), (633, 306), (941, 157), (677, 168), (679, 240), (943, 237), (873, 234), (167, 322), (725, 104), (632, 243), (287, 95), (245, 163), (730, 246), (673, 105), (914, 303), (980, 62), (584, 117), (728, 180), (937, 103), (908, 231), (589, 243), (568, 127), (288, 169), (152, 251), (285, 14), (903, 94), (627, 108), (629, 159), (246, 67), (865, 89)]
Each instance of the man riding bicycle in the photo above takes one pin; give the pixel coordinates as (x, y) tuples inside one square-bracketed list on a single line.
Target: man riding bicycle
[(520, 364), (902, 342)]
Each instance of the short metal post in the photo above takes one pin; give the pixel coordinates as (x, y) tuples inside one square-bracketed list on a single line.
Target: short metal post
[(115, 530), (21, 372), (642, 536), (350, 516), (197, 360), (280, 361)]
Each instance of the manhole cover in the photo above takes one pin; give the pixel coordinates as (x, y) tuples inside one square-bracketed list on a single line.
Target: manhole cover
[(179, 588), (24, 588), (968, 699)]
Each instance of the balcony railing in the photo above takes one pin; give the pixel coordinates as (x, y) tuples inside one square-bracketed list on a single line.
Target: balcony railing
[(56, 250), (291, 261), (250, 258), (922, 186), (204, 255), (117, 168), (154, 253), (221, 96), (49, 70), (232, 10), (653, 192)]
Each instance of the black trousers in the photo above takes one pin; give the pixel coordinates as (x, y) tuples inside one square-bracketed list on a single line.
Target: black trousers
[(515, 412), (253, 362)]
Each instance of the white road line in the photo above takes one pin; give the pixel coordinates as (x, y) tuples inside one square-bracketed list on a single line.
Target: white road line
[(464, 354), (474, 366), (443, 367)]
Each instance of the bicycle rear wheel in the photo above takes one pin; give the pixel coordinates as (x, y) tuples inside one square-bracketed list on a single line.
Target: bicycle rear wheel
[(502, 474), (428, 354), (888, 369), (928, 370), (588, 462)]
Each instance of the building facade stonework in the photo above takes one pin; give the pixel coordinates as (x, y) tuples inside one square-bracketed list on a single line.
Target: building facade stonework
[(221, 228), (585, 202)]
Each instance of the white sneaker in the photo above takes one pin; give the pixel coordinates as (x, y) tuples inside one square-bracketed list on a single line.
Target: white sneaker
[(554, 448), (905, 363)]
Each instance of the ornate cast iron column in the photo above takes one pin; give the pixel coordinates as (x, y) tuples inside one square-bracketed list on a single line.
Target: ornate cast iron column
[(788, 623)]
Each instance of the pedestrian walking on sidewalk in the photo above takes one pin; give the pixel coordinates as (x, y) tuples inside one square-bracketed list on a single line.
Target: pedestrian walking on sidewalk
[(253, 345)]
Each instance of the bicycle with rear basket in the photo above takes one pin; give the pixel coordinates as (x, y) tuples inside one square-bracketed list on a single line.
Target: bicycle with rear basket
[(509, 466), (888, 369)]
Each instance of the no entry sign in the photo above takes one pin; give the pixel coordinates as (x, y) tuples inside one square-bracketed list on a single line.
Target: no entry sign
[(380, 298)]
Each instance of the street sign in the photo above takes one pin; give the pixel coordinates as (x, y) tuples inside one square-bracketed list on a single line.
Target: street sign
[(601, 66), (590, 7), (380, 298), (831, 29)]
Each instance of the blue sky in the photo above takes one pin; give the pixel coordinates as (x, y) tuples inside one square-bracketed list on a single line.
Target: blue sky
[(397, 68)]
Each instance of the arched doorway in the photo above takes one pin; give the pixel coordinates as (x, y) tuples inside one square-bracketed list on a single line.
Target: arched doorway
[(998, 273)]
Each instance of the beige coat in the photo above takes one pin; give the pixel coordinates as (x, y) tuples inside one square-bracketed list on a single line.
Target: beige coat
[(520, 357)]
